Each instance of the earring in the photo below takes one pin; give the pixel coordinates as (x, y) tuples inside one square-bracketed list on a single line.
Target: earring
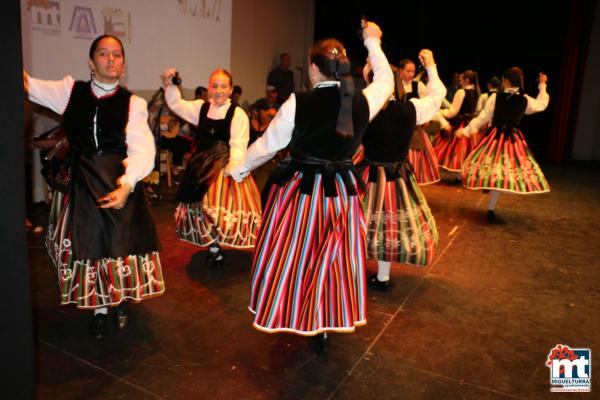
[(92, 73)]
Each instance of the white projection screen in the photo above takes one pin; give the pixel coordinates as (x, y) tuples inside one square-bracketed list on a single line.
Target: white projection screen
[(192, 35)]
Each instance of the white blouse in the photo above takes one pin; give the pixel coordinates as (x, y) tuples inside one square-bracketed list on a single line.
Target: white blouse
[(239, 134), (141, 149), (533, 106), (279, 133)]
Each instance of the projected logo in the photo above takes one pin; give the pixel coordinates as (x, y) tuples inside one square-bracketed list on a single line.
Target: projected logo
[(117, 22), (209, 9), (82, 23), (45, 16), (570, 369)]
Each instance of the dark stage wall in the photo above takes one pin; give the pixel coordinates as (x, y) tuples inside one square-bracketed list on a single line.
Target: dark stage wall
[(484, 36)]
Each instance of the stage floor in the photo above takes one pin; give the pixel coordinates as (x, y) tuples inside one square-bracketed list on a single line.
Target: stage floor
[(478, 323)]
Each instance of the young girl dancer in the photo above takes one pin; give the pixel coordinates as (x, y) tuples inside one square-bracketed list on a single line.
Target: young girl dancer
[(450, 150), (214, 210), (400, 226), (308, 273), (502, 161), (420, 154), (101, 236)]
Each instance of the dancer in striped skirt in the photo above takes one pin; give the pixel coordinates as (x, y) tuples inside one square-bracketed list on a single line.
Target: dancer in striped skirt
[(400, 226), (101, 236), (420, 154), (308, 273), (502, 161), (450, 150), (214, 210)]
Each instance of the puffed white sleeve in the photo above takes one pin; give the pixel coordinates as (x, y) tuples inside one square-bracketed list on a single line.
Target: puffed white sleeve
[(239, 136), (51, 94), (188, 110), (483, 117), (277, 136), (382, 87), (141, 149), (539, 103), (429, 105)]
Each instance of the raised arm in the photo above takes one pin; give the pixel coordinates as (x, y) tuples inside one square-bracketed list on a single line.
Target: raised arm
[(429, 105), (382, 87), (51, 94), (541, 101), (188, 110)]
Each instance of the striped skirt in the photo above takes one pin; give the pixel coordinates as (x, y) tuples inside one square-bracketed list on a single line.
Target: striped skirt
[(502, 161), (93, 283), (400, 225), (308, 272), (452, 151), (229, 215), (424, 162)]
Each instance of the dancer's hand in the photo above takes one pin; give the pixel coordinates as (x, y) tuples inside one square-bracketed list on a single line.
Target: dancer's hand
[(370, 30), (542, 78), (117, 198), (426, 58), (459, 133), (167, 76)]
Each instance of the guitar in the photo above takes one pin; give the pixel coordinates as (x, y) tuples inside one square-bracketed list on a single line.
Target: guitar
[(261, 119), (169, 126)]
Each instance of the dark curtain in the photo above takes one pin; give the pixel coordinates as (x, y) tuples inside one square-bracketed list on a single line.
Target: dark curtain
[(566, 99)]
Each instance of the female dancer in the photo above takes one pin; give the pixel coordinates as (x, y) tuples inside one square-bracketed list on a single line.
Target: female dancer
[(450, 150), (101, 236), (308, 273), (502, 161), (400, 226), (420, 154), (214, 210)]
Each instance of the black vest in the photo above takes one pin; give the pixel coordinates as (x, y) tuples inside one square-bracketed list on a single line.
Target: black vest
[(388, 135), (315, 125), (112, 114), (509, 110), (215, 129), (414, 94), (467, 109), (103, 233), (316, 148)]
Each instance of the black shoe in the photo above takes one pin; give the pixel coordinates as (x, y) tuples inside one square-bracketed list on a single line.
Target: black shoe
[(215, 258), (121, 316), (376, 284), (318, 343), (491, 216), (99, 328)]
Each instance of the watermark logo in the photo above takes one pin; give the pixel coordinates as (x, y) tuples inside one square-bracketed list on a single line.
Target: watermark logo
[(82, 23), (45, 16), (570, 369), (117, 22)]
